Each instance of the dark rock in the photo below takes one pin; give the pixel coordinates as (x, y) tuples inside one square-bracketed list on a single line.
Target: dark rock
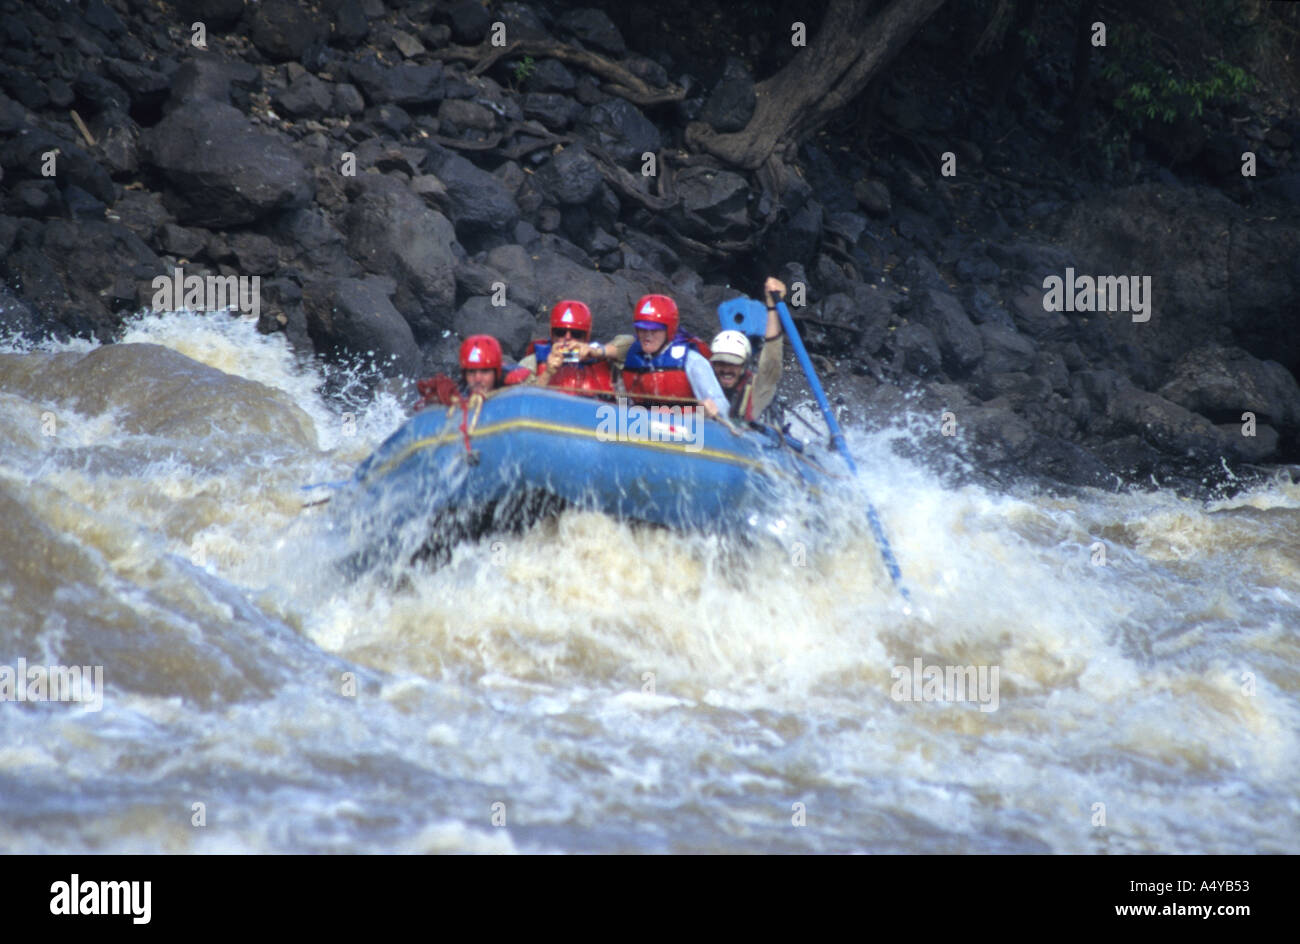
[(554, 111), (282, 29), (572, 176), (1284, 187), (392, 232), (985, 309), (588, 92), (550, 75), (959, 340), (408, 45), (464, 114), (1223, 383), (96, 93), (1259, 447), (180, 241), (476, 201), (797, 241), (594, 28), (713, 203), (511, 324), (402, 84), (351, 26), (215, 14), (1062, 461), (516, 269), (60, 92), (255, 254), (873, 310), (221, 171), (998, 438), (916, 350), (70, 272), (306, 97), (348, 100), (1167, 426), (101, 16), (314, 242), (390, 118), (731, 103), (205, 78), (470, 21), (36, 198), (147, 87), (23, 156), (143, 213), (17, 318), (13, 116), (647, 70), (976, 269), (520, 21), (118, 139), (1005, 350), (1030, 317), (848, 226), (1213, 266), (354, 318), (618, 127)]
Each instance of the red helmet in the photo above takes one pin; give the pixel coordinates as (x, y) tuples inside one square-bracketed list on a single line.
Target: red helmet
[(571, 314), (657, 311), (481, 352)]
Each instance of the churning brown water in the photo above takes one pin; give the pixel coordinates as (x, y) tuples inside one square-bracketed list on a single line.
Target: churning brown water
[(593, 687)]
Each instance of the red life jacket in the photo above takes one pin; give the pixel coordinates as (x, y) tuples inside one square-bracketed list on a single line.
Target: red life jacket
[(592, 374), (663, 375)]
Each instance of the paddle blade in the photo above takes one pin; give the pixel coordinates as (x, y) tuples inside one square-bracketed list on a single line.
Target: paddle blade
[(743, 314)]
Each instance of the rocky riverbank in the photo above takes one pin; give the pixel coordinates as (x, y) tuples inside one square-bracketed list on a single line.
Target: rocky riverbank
[(397, 180)]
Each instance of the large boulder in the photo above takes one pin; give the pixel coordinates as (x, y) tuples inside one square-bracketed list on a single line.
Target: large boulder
[(959, 340), (220, 170), (391, 231), (354, 318), (306, 97), (713, 204), (572, 176), (285, 29), (476, 201), (618, 127), (402, 84), (1223, 383)]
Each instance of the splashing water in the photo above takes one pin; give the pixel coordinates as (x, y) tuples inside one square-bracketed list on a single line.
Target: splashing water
[(593, 686)]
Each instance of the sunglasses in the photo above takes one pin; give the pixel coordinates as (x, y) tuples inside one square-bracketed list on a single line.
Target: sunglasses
[(569, 333)]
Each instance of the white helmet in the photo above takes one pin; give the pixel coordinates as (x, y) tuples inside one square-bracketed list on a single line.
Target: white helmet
[(731, 347)]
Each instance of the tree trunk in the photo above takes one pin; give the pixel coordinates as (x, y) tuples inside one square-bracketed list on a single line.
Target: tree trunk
[(849, 48)]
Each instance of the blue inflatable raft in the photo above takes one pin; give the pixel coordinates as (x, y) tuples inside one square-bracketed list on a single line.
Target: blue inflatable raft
[(526, 450)]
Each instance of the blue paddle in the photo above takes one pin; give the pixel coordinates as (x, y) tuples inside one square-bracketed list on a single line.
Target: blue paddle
[(750, 316)]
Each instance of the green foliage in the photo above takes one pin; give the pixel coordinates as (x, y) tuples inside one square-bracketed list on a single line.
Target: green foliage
[(1152, 91), (524, 69)]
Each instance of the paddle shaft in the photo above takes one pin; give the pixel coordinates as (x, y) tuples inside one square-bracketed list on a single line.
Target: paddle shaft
[(837, 437)]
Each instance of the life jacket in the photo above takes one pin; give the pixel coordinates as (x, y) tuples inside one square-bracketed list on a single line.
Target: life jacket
[(741, 397), (664, 374), (592, 374)]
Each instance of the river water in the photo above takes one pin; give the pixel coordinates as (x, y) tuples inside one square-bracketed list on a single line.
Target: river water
[(591, 687)]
